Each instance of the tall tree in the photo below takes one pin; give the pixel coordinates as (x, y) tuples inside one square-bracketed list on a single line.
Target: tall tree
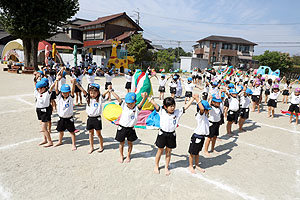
[(165, 59), (33, 21), (137, 48)]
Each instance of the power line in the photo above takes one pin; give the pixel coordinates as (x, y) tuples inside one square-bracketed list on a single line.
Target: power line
[(222, 23)]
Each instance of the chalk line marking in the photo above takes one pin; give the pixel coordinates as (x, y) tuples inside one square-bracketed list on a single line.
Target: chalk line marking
[(277, 127), (252, 145), (24, 101), (15, 111), (16, 96), (5, 194)]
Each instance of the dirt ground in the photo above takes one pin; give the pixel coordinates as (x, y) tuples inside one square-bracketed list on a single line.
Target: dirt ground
[(261, 163)]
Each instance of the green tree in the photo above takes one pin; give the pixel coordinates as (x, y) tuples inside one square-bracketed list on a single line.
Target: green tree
[(164, 59), (296, 59), (275, 60), (137, 48), (33, 21)]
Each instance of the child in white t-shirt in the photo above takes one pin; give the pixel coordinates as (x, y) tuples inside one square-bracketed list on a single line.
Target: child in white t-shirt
[(272, 102)]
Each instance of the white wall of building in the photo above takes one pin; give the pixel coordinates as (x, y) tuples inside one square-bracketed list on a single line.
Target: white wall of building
[(188, 63)]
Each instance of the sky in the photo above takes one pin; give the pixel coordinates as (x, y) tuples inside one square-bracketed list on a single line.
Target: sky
[(187, 21)]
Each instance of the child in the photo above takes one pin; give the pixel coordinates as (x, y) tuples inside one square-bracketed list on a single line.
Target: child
[(65, 112), (43, 109), (294, 107), (272, 103), (166, 138), (94, 110), (127, 122), (63, 79), (52, 79), (128, 80), (173, 86), (244, 107), (256, 95), (189, 86), (194, 75), (233, 108), (162, 82), (90, 76), (108, 81), (198, 137), (215, 120), (268, 85), (78, 76)]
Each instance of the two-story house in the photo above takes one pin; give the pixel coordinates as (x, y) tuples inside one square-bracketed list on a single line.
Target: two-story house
[(229, 50)]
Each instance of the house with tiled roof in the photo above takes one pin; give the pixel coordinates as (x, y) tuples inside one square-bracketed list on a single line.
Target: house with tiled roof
[(224, 49), (99, 34)]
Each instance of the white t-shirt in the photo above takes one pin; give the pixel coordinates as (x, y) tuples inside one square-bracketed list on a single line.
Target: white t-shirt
[(95, 108), (169, 122), (162, 82), (173, 84), (194, 73), (202, 124), (189, 87), (256, 90), (108, 78), (206, 89), (295, 99), (214, 114), (64, 106), (79, 77), (128, 78), (274, 95), (213, 90), (233, 104), (51, 80), (267, 85), (61, 82), (245, 101), (42, 100), (129, 116), (90, 78)]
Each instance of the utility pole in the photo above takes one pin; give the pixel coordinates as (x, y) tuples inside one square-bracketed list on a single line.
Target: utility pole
[(178, 52), (138, 16)]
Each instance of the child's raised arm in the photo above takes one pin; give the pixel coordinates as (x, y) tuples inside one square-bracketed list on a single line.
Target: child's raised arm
[(198, 100), (115, 95), (106, 91), (189, 103), (73, 81), (54, 84), (151, 100), (81, 88), (144, 95)]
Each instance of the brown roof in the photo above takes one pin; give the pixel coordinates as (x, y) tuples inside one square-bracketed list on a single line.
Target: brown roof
[(236, 40), (63, 38), (106, 19)]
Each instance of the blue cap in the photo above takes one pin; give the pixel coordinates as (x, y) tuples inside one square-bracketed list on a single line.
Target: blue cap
[(216, 98), (215, 83), (46, 80), (41, 72), (242, 87), (78, 80), (206, 105), (233, 91), (165, 76), (129, 70), (231, 85), (130, 97), (41, 84), (223, 94), (90, 71), (65, 88), (111, 71), (190, 79), (95, 85), (249, 91), (64, 73), (175, 77)]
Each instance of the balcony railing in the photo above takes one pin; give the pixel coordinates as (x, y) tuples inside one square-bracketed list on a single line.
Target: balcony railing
[(228, 52)]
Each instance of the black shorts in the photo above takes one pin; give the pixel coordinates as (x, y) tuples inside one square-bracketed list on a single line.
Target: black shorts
[(285, 92), (199, 77), (204, 95), (128, 85), (272, 103), (226, 103), (267, 92), (196, 144), (126, 132), (44, 114), (255, 98), (244, 113), (232, 116), (166, 139), (94, 123), (214, 129), (193, 77), (246, 82), (188, 94), (294, 108), (161, 89), (65, 123), (53, 95), (173, 90), (107, 84), (77, 89)]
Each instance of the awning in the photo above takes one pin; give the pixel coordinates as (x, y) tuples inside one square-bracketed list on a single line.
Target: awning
[(245, 57), (64, 47)]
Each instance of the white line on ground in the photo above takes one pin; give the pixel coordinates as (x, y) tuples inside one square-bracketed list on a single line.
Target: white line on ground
[(15, 111), (24, 101), (4, 194), (16, 96), (252, 145), (277, 127)]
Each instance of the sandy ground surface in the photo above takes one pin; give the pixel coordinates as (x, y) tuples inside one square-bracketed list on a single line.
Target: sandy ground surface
[(262, 163)]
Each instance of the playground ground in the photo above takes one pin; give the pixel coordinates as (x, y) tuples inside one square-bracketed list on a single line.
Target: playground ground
[(262, 163)]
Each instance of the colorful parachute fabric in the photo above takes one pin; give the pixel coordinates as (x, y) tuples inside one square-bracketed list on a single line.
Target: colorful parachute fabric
[(289, 113), (229, 71), (147, 118)]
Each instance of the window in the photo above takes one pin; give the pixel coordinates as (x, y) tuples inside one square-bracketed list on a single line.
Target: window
[(214, 45), (98, 35), (226, 46), (90, 35), (244, 48)]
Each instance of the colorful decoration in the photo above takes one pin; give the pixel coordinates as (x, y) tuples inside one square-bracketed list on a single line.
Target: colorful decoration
[(271, 74), (289, 113), (54, 52), (47, 52), (75, 55), (229, 71)]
